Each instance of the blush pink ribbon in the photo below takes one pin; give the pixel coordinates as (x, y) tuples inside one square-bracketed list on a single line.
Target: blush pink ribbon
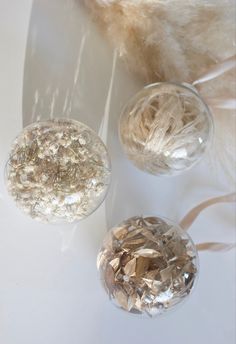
[(222, 103), (191, 216), (215, 71)]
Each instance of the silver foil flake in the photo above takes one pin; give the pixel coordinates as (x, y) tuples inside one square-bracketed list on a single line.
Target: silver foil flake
[(151, 269), (58, 171)]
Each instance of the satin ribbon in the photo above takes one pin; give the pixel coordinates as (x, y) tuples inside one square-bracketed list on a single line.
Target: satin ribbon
[(191, 216), (222, 103), (214, 72)]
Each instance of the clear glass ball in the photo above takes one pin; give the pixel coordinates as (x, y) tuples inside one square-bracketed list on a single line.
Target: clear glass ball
[(147, 265), (166, 128), (58, 171)]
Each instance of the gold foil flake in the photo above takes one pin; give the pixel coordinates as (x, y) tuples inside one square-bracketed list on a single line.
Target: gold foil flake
[(120, 233), (142, 265), (115, 263), (166, 273), (132, 243), (130, 267), (148, 234), (149, 266), (133, 232), (109, 278), (138, 303), (131, 301), (121, 298), (58, 171), (147, 252), (127, 286)]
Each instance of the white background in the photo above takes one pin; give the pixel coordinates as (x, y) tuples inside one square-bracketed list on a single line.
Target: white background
[(53, 63)]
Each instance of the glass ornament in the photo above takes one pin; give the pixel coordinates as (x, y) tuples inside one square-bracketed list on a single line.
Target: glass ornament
[(148, 265), (166, 128), (58, 171)]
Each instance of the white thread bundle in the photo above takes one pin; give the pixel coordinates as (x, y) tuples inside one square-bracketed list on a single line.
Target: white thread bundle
[(165, 129)]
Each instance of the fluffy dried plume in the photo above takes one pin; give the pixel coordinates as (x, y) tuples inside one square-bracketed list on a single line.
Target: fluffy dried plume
[(172, 40)]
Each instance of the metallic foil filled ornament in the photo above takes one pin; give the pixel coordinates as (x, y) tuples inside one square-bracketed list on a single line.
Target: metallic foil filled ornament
[(58, 171), (166, 128), (148, 265)]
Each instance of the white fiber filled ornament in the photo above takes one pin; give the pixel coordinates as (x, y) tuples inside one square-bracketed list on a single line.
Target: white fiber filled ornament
[(148, 265), (58, 171), (180, 41), (166, 128)]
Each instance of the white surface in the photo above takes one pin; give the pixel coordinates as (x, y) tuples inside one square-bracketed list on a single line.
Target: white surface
[(53, 58)]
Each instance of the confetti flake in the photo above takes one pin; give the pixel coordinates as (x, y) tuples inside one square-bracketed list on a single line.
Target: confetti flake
[(152, 269)]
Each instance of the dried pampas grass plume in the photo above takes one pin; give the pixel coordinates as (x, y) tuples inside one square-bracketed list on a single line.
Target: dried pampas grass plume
[(167, 40), (172, 40)]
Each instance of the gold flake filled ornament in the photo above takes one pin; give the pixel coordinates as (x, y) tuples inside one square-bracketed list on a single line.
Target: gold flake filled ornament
[(58, 171), (149, 265)]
